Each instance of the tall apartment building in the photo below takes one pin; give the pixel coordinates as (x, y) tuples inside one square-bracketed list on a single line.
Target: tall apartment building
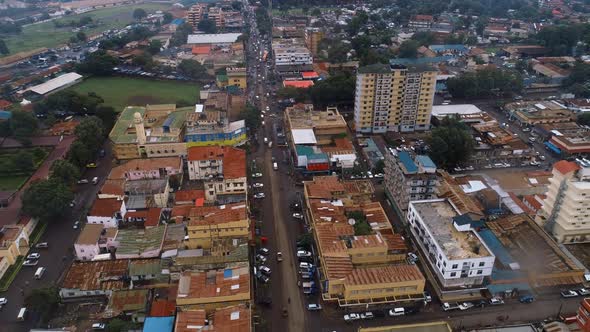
[(393, 98), (566, 209), (195, 14), (409, 178), (313, 37), (291, 52)]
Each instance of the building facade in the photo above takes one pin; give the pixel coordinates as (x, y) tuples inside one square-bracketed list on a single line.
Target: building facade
[(393, 98), (583, 317), (565, 209), (313, 37), (409, 178)]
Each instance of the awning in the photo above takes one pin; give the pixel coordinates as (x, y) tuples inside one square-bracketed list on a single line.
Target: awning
[(552, 147)]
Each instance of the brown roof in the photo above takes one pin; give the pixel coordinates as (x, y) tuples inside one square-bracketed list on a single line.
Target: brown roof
[(187, 321), (213, 284), (234, 159), (145, 165), (384, 274), (105, 207), (564, 166), (113, 187), (201, 215), (163, 308), (153, 217), (128, 300), (188, 195), (338, 267), (324, 187), (90, 234), (96, 275), (422, 18), (232, 319), (111, 232)]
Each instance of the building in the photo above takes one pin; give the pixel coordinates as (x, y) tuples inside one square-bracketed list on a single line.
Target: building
[(107, 212), (195, 14), (583, 317), (158, 324), (130, 302), (564, 211), (214, 227), (496, 143), (223, 170), (214, 288), (94, 279), (313, 37), (87, 244), (393, 98), (14, 242), (291, 52), (151, 131), (408, 178), (571, 141), (232, 318), (212, 128), (419, 327), (140, 169), (455, 252), (139, 243), (530, 113), (56, 84), (326, 125), (145, 194), (420, 22), (219, 39), (234, 76)]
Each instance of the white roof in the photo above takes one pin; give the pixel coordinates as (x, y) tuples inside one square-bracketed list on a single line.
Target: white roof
[(216, 38), (55, 83), (462, 109), (303, 136), (473, 186)]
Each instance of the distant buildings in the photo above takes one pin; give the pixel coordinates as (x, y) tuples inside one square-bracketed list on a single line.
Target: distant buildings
[(564, 212), (409, 178), (313, 37), (420, 22), (291, 52), (223, 16), (393, 98), (56, 84)]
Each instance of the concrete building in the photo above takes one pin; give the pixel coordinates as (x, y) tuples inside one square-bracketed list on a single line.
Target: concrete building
[(235, 76), (420, 22), (409, 178), (139, 169), (94, 279), (583, 317), (313, 37), (393, 98), (326, 125), (212, 128), (455, 252), (195, 14), (56, 84), (530, 113), (87, 244), (107, 212), (291, 52), (565, 213)]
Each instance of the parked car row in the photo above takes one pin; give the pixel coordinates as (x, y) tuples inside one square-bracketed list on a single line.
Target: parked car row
[(367, 315), (575, 292)]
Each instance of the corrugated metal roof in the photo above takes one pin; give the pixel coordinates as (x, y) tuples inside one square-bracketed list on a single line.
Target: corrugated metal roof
[(425, 161), (496, 247), (407, 161)]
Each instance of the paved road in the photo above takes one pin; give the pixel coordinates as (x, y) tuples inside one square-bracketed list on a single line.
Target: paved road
[(61, 236)]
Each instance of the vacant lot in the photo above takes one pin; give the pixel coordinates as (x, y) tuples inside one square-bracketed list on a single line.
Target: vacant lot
[(47, 35), (120, 92)]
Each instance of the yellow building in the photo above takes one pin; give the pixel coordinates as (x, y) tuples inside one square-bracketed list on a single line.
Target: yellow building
[(393, 98), (361, 264), (235, 76), (213, 227), (313, 37), (14, 242)]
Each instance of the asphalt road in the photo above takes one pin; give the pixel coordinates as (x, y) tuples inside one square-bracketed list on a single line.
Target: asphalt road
[(61, 236)]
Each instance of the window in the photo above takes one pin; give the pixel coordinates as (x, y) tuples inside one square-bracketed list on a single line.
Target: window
[(455, 266), (453, 274), (479, 271), (482, 264)]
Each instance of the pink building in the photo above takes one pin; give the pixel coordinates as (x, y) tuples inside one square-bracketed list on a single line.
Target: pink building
[(154, 168)]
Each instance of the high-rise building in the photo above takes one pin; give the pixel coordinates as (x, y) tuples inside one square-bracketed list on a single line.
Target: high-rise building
[(565, 211), (195, 14), (393, 98), (313, 37)]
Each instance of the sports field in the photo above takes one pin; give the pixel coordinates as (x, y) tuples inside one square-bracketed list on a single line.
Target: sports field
[(120, 92), (47, 35)]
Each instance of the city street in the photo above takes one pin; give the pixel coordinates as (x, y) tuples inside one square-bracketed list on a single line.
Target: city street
[(60, 235)]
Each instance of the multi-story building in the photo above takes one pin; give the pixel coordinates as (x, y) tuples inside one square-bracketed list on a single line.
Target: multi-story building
[(138, 169), (326, 125), (223, 170), (235, 76), (195, 14), (565, 209), (409, 178), (393, 98), (421, 22), (291, 52), (212, 127), (313, 37), (583, 317), (455, 252)]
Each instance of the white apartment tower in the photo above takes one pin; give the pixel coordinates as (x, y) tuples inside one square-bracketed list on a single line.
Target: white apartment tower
[(393, 98), (566, 210)]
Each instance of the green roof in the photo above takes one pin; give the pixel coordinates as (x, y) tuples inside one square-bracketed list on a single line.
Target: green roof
[(222, 78), (128, 300), (136, 242), (143, 267), (377, 68)]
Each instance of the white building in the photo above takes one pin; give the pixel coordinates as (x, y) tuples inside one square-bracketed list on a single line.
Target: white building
[(292, 55), (107, 212), (59, 83), (566, 209), (456, 253), (87, 244)]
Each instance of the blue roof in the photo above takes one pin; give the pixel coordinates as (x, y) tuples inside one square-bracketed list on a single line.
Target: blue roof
[(168, 121), (158, 324), (177, 21), (501, 288), (406, 159), (308, 151), (5, 115), (496, 246), (552, 147), (227, 273), (421, 61), (505, 275), (449, 47), (425, 161)]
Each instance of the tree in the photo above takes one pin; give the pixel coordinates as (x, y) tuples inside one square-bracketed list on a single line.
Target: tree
[(207, 26), (236, 5), (167, 18), (81, 36), (584, 119), (361, 226), (316, 12), (3, 48), (23, 160), (65, 172), (485, 83), (379, 167), (108, 116), (23, 124), (118, 325), (154, 47), (409, 49), (98, 63), (450, 143), (251, 115), (43, 301), (79, 154), (181, 34), (139, 14), (193, 69), (90, 132), (46, 199), (337, 89)]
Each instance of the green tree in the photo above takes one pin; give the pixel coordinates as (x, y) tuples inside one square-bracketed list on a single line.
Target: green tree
[(338, 89), (154, 47), (167, 18), (81, 36), (90, 132), (207, 26), (409, 49), (181, 34), (98, 63), (298, 94), (118, 325), (379, 167), (43, 301), (193, 69), (485, 83), (139, 14), (108, 116), (316, 12), (79, 154), (361, 226), (23, 124), (3, 48), (450, 143), (23, 160), (251, 115), (46, 199), (65, 172), (584, 119)]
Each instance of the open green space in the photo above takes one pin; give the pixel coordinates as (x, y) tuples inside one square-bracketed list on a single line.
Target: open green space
[(47, 35), (17, 165), (120, 92), (10, 183)]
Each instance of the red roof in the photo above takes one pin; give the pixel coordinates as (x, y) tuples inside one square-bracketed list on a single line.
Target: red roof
[(234, 159), (163, 308), (423, 18), (4, 103), (199, 50), (189, 195), (298, 84), (105, 207), (153, 217), (564, 166), (309, 74)]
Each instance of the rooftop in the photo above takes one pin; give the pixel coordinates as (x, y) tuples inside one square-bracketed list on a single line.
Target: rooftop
[(119, 172), (438, 216), (105, 207), (304, 117), (384, 275), (218, 38), (234, 159), (90, 234), (190, 320), (211, 215), (56, 83), (158, 324), (96, 275), (138, 242), (128, 300), (303, 136), (214, 283)]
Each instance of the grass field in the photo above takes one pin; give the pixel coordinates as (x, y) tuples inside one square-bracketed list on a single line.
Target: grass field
[(120, 92), (9, 183), (47, 35)]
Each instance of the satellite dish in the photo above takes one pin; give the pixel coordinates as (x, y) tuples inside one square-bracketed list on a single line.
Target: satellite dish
[(351, 221)]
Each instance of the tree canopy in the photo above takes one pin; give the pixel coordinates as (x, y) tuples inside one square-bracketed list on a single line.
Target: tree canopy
[(90, 131), (450, 143), (207, 26), (192, 69), (98, 63), (251, 115), (65, 172), (46, 199), (139, 14), (485, 83), (43, 301), (3, 48), (23, 124)]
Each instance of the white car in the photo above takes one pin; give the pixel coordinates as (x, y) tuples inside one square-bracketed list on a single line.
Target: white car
[(496, 301), (583, 291), (257, 175), (259, 195), (267, 108), (303, 253), (367, 315), (466, 305), (264, 269), (305, 265), (397, 312), (297, 216), (258, 185), (351, 317), (98, 326), (3, 300), (30, 262), (34, 255), (568, 293), (314, 307), (263, 251), (261, 258), (535, 163), (379, 175), (76, 224), (83, 181)]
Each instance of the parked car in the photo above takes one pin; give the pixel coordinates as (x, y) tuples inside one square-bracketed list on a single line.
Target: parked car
[(259, 195), (91, 165), (263, 278), (98, 326), (76, 224), (367, 315), (305, 265), (427, 297), (314, 307), (351, 317), (261, 258), (397, 312), (264, 269), (496, 301), (263, 251), (3, 301), (526, 299), (257, 175), (465, 305), (83, 181), (42, 245), (568, 293), (448, 306), (34, 255), (258, 185), (303, 253), (30, 262), (583, 291), (297, 216)]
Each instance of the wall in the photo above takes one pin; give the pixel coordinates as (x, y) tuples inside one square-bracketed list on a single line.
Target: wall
[(86, 252), (108, 222)]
